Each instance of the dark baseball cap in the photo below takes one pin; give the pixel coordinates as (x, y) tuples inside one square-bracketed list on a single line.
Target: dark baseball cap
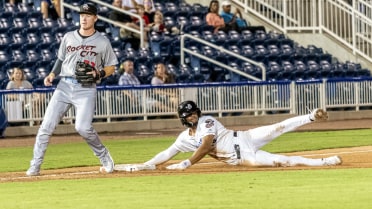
[(88, 9)]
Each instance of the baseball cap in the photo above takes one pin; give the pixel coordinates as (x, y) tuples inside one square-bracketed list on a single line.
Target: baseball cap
[(225, 3), (88, 9)]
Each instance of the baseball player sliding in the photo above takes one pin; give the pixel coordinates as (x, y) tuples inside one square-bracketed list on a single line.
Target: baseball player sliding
[(84, 57), (207, 136)]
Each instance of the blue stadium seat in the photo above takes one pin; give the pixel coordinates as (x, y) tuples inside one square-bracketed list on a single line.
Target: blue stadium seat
[(247, 35), (32, 55), (18, 55), (314, 70), (247, 51), (4, 57), (159, 6)]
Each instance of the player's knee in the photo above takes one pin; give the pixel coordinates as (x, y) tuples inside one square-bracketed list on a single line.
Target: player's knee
[(84, 131)]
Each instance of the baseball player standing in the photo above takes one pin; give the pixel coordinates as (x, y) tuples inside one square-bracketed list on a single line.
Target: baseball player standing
[(207, 136), (84, 57)]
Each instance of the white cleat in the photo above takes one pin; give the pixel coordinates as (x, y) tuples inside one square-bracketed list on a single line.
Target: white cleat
[(107, 164), (334, 160), (33, 171), (318, 115)]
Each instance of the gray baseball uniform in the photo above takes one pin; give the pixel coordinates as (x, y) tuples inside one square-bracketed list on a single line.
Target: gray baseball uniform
[(95, 50)]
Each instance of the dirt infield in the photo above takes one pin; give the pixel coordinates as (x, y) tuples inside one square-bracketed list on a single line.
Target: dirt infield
[(357, 157)]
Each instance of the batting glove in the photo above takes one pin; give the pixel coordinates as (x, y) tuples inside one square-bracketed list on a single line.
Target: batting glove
[(180, 166)]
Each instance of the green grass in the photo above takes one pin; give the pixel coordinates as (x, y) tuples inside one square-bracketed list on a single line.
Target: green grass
[(283, 189)]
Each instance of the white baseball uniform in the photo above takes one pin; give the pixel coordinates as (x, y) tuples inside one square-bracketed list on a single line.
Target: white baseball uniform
[(238, 147)]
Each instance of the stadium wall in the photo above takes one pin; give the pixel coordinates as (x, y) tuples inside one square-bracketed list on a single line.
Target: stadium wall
[(165, 125)]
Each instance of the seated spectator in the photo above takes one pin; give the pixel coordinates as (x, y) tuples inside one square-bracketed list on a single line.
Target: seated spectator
[(128, 78), (50, 9), (127, 20), (131, 5), (167, 97), (161, 75), (158, 24), (214, 19), (136, 25), (18, 81), (149, 9), (119, 16), (234, 19)]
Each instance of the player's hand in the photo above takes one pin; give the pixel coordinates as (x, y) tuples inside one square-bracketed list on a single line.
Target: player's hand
[(179, 166), (48, 81)]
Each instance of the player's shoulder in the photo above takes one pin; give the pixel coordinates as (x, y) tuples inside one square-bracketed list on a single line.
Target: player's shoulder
[(206, 117)]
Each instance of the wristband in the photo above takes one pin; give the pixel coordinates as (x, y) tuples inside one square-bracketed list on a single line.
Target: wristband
[(186, 163), (102, 73)]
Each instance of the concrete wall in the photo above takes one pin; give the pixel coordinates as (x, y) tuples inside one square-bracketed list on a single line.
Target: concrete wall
[(174, 124)]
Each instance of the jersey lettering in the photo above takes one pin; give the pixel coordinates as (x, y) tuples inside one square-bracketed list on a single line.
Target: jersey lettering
[(85, 50), (209, 123)]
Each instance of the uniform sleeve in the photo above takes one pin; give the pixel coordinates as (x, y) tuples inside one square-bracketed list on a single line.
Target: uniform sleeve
[(110, 58), (208, 127), (62, 48), (163, 156)]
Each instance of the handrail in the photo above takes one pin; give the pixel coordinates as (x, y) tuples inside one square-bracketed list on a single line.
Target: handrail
[(140, 32), (184, 49), (319, 16)]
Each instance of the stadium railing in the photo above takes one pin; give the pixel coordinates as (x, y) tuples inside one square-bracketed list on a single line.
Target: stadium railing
[(348, 24), (144, 102)]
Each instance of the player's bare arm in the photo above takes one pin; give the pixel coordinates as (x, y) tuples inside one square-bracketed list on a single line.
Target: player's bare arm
[(205, 148)]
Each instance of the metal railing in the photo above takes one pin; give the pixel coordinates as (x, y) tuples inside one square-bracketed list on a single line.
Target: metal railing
[(146, 101), (349, 24)]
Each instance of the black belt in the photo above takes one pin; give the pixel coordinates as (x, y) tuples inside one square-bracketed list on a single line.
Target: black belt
[(236, 146)]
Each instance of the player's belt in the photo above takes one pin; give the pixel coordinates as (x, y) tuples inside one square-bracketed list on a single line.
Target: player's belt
[(70, 80), (236, 146)]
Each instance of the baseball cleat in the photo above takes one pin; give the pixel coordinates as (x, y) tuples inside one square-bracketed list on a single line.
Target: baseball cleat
[(107, 164), (334, 160), (33, 171), (318, 115)]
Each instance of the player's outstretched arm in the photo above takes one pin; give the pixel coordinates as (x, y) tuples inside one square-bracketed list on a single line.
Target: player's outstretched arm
[(206, 146), (160, 158)]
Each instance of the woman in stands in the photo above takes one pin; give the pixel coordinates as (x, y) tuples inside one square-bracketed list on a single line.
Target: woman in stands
[(18, 81)]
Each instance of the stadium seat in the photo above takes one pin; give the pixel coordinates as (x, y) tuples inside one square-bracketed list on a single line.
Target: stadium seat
[(207, 35), (159, 6), (18, 55), (32, 55), (247, 51), (247, 35), (4, 57)]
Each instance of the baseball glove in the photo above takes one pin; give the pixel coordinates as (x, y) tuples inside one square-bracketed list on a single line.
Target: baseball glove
[(82, 75)]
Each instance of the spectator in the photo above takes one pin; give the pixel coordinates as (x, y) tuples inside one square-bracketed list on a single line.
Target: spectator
[(161, 75), (149, 9), (136, 25), (158, 24), (119, 16), (215, 20), (128, 78), (234, 19), (126, 20), (168, 98), (131, 5), (50, 9), (18, 81)]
